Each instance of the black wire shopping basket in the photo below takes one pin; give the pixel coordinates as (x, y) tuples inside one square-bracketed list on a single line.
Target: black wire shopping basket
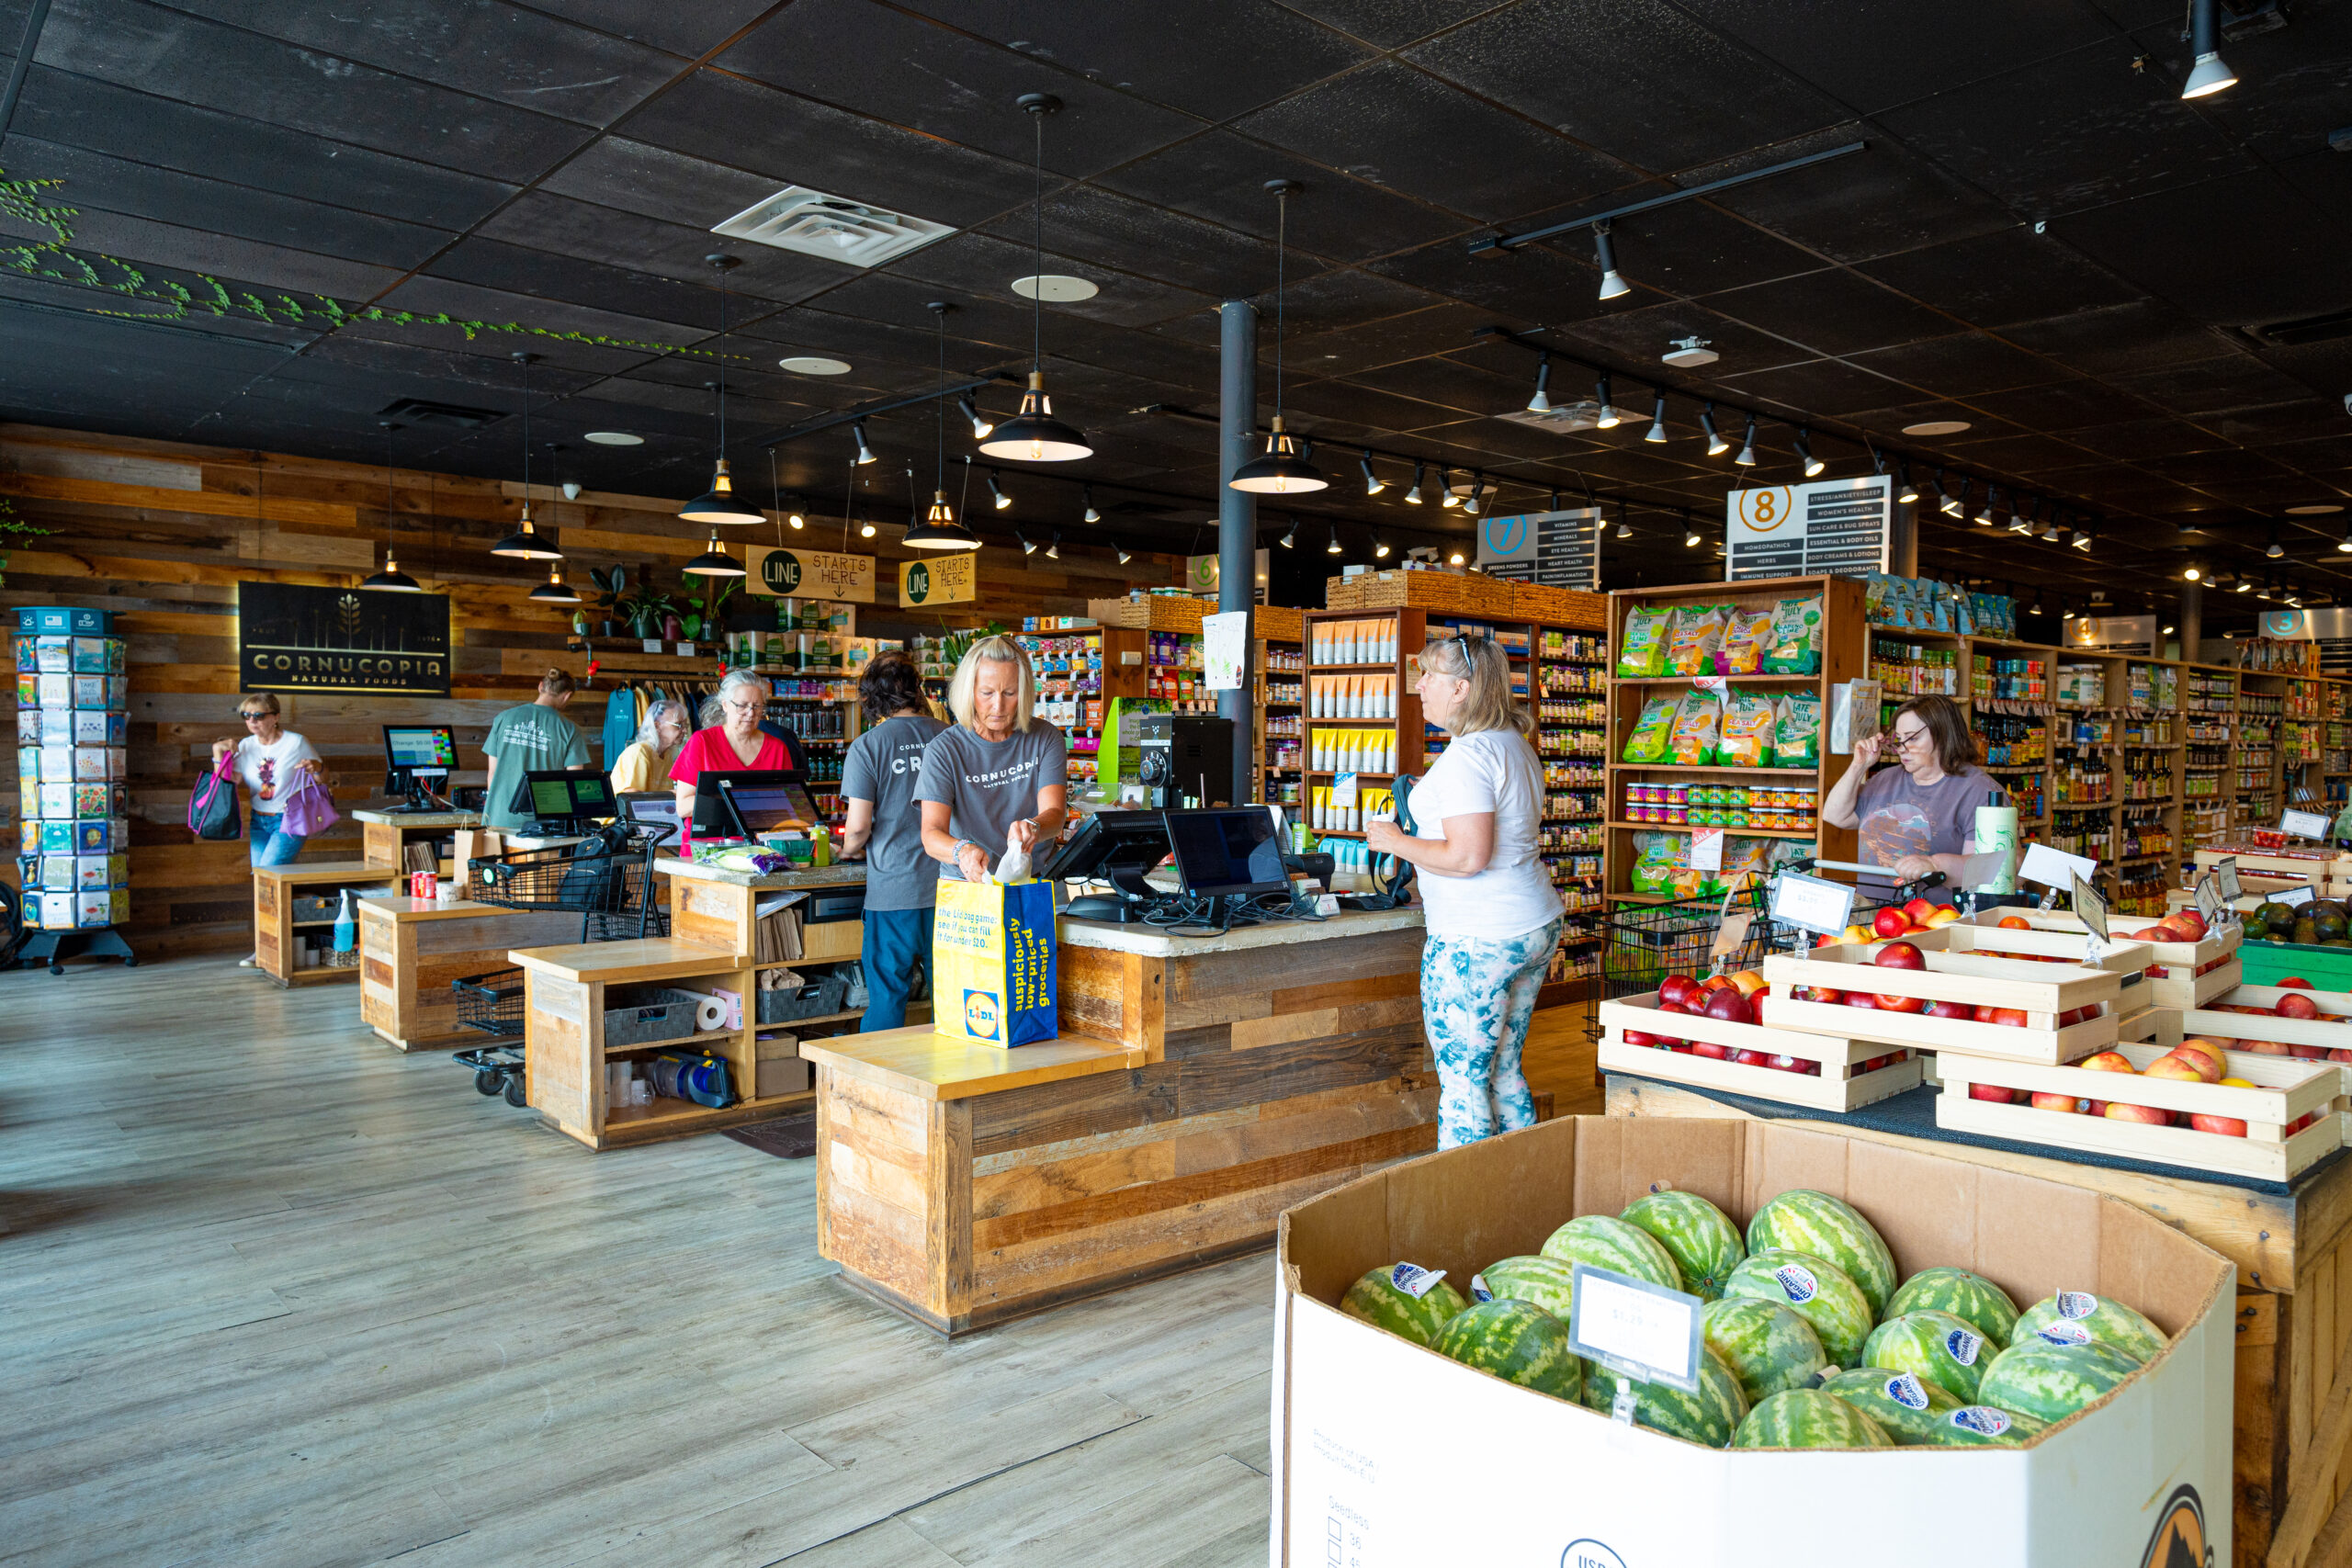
[(1643, 943), (607, 879)]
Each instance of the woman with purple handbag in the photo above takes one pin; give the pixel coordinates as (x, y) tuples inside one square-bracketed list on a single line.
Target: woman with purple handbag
[(275, 765)]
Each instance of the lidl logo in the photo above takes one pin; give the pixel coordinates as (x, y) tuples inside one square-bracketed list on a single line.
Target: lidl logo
[(1505, 535), (982, 1015), (2179, 1539)]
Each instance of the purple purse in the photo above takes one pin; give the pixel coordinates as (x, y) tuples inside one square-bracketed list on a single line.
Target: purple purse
[(309, 810)]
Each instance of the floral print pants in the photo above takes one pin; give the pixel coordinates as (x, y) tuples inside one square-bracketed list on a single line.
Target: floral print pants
[(1478, 995)]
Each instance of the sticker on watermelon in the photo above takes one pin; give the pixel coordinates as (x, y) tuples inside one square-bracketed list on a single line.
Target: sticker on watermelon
[(1478, 1292), (1962, 1347), (1415, 1281), (1905, 1388), (1981, 1419), (1796, 1282), (2065, 1333), (2076, 1304)]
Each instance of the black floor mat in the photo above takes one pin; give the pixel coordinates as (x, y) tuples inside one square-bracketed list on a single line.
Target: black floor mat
[(786, 1137)]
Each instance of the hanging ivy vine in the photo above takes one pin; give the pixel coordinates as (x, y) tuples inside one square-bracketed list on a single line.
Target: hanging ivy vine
[(164, 298), (12, 523)]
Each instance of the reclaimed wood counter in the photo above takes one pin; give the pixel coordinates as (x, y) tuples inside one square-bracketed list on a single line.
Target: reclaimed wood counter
[(410, 949), (1199, 1087), (2293, 1252)]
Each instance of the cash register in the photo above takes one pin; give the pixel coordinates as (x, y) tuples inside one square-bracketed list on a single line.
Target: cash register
[(563, 804)]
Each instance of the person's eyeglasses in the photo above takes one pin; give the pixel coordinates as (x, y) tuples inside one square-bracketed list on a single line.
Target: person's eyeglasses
[(1907, 738), (253, 718), (742, 707)]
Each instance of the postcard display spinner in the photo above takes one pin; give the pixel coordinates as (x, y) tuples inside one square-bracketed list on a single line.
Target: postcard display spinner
[(74, 848)]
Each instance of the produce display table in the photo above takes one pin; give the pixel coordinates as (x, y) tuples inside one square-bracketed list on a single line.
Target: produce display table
[(295, 902), (410, 949), (2294, 1317), (1199, 1087)]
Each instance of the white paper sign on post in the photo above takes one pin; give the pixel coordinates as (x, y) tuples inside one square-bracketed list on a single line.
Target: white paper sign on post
[(1224, 639), (1812, 903), (1706, 849), (2091, 909), (2294, 897), (2304, 824), (1635, 1327), (2054, 868), (2226, 871), (2209, 901)]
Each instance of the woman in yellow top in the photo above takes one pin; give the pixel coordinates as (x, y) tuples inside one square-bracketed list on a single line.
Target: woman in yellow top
[(644, 765)]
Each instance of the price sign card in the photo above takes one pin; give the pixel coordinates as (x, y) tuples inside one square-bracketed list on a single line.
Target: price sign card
[(2304, 824), (2054, 868), (1715, 686), (2209, 899), (2092, 911), (2226, 869), (1706, 849), (1814, 903), (2294, 895), (1636, 1329), (1343, 790)]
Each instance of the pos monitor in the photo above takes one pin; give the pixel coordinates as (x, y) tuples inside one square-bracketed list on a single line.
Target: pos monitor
[(417, 758), (748, 803), (1227, 849), (565, 798)]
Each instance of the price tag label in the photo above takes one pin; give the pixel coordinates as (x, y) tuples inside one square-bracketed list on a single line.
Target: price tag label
[(1635, 1327), (1814, 903), (2092, 911), (1706, 849), (2304, 824), (1715, 686), (2226, 870), (2209, 899), (2054, 868), (2294, 895)]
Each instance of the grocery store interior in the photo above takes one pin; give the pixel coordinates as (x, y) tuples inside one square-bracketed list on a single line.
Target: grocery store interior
[(539, 539)]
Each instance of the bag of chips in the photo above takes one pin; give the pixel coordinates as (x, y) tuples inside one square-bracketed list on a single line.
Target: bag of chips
[(1642, 652), (1652, 732), (1795, 645), (1655, 859), (1796, 732), (1697, 723), (1745, 637), (1747, 725), (1744, 861), (1698, 632)]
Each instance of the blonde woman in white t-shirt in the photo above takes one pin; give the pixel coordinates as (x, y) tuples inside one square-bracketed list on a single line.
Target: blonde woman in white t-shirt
[(1492, 916), (268, 756)]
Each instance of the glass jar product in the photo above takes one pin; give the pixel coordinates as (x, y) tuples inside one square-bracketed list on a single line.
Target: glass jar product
[(1677, 817), (1736, 817), (1678, 794)]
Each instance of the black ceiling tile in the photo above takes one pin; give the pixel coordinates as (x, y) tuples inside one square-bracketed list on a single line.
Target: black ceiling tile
[(1963, 365), (2144, 335), (1832, 312), (2293, 82), (691, 31), (2154, 242), (679, 312), (1446, 383), (2215, 386), (1150, 242), (2062, 405), (982, 263), (2325, 455), (904, 339), (1639, 338), (1827, 387), (1146, 353), (1349, 403), (95, 181), (491, 50), (2296, 420), (743, 414), (1641, 82), (899, 68), (173, 54), (1436, 330), (1382, 124), (1534, 285), (2026, 455), (891, 314), (140, 127), (1215, 58), (153, 243), (795, 141), (1391, 23), (2009, 275), (632, 336), (1865, 204), (2215, 470), (655, 182), (1341, 305), (1876, 57), (542, 223), (1222, 177)]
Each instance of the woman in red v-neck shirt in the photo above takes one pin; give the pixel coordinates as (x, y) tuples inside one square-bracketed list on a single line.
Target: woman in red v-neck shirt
[(735, 744)]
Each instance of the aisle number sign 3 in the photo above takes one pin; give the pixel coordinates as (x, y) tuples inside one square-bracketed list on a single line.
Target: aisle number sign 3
[(938, 580)]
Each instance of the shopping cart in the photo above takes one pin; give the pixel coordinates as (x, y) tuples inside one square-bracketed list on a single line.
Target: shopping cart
[(1643, 943), (1869, 899), (493, 1004)]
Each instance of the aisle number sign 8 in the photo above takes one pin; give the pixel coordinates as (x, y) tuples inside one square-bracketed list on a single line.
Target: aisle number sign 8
[(1763, 511)]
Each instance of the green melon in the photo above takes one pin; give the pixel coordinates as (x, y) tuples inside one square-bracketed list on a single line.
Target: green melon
[(1768, 1347), (1808, 1419), (1606, 1243), (2050, 1382), (1908, 1405), (1699, 1238), (2072, 1317), (1708, 1417), (1972, 1298), (1544, 1281), (1937, 1346), (1816, 1224), (1985, 1426), (1379, 1300), (1518, 1342), (1816, 1290)]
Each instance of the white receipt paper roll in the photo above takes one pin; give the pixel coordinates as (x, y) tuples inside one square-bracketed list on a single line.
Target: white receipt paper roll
[(1997, 833), (710, 1014)]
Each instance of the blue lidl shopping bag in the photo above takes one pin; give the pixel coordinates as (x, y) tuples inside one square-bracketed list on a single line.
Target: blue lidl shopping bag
[(992, 951)]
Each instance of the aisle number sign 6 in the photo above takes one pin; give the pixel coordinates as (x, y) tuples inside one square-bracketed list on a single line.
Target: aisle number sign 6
[(1763, 511)]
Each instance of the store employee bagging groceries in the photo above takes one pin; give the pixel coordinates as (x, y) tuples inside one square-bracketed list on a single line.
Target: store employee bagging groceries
[(1000, 775)]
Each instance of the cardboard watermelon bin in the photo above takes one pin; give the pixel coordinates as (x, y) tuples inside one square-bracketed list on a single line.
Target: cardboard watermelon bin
[(1390, 1456)]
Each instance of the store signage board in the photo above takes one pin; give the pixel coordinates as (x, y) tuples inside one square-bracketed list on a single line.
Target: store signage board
[(1636, 1328), (1841, 527), (938, 580), (1224, 640), (2054, 868), (2294, 895), (1814, 903), (296, 637), (1706, 849), (1201, 573), (780, 572), (2304, 824), (1559, 549)]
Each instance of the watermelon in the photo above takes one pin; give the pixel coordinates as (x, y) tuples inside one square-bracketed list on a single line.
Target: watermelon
[(1767, 1346), (1613, 1244), (1822, 1226), (1808, 1419), (1972, 1298), (1816, 1290), (1708, 1417), (1382, 1300), (2070, 1317), (1936, 1346), (1544, 1281), (2050, 1382), (1984, 1426), (1908, 1406), (1518, 1342), (1699, 1238)]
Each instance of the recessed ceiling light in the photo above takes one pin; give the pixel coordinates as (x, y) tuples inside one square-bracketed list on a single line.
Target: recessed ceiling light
[(1055, 287), (614, 438), (815, 365), (1937, 427), (2317, 510)]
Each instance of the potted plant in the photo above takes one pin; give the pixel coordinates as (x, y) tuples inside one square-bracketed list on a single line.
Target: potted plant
[(644, 608), (610, 581), (706, 606)]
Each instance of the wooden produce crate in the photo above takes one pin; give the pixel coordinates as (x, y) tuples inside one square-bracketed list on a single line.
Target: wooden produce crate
[(1841, 1084), (2287, 1089), (2332, 1031), (2276, 871), (2179, 987), (2042, 991), (1154, 612)]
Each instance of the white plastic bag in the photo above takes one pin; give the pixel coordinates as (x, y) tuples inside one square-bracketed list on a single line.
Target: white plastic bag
[(1014, 865)]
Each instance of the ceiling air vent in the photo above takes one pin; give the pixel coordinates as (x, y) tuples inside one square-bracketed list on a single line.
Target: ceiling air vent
[(422, 411), (1562, 417), (2311, 329), (810, 221)]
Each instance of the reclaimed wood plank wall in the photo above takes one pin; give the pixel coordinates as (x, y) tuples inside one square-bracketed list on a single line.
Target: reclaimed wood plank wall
[(161, 534)]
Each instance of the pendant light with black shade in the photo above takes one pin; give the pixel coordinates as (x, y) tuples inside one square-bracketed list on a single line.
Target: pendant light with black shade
[(525, 543), (720, 505), (1035, 435), (939, 530), (1283, 470), (391, 580)]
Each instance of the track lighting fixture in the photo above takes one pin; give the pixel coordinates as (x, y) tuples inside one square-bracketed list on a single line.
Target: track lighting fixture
[(865, 529), (1747, 458), (1906, 492), (1690, 531), (1944, 501), (981, 426), (996, 489), (2274, 549), (1958, 508), (1451, 498), (1290, 538), (2082, 537), (1035, 435), (865, 453), (2066, 611), (2192, 572), (1624, 524), (937, 529), (1333, 547), (1028, 546), (1813, 464), (1373, 483), (1542, 401), (2346, 545), (1124, 555), (1089, 514), (1608, 419), (2244, 585), (1471, 503), (1054, 549), (1413, 496), (1984, 518), (1379, 547), (1605, 256), (1283, 469), (1716, 445), (1657, 421), (2208, 75)]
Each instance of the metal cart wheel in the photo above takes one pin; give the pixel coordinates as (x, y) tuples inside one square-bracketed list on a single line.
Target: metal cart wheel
[(488, 1082), (514, 1093), (130, 963)]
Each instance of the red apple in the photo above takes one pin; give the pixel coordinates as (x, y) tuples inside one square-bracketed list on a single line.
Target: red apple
[(2298, 982), (1861, 999), (2191, 920), (2171, 1066), (1755, 1007), (1899, 1004), (2299, 1122), (1675, 989), (2158, 972), (2202, 1054), (1890, 922), (1791, 1064), (2148, 1114), (2340, 1055), (1993, 1092), (2014, 1018), (2228, 1126), (1708, 1049), (1950, 1010), (1729, 1006), (1823, 993), (1918, 910), (2108, 1062), (2308, 1052), (1636, 1037), (2095, 1108), (2298, 1005), (2066, 1102), (2264, 1048), (1754, 1058), (1900, 956)]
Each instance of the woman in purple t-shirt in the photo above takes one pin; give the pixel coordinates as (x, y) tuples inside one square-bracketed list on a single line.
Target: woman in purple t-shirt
[(1919, 816)]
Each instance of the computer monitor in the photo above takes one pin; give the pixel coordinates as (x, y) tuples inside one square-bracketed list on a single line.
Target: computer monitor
[(654, 807), (1227, 849), (561, 795), (1117, 847), (748, 804), (427, 748)]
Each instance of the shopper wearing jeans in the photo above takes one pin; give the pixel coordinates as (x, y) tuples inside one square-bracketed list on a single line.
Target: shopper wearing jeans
[(268, 756), (885, 824), (1492, 917)]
